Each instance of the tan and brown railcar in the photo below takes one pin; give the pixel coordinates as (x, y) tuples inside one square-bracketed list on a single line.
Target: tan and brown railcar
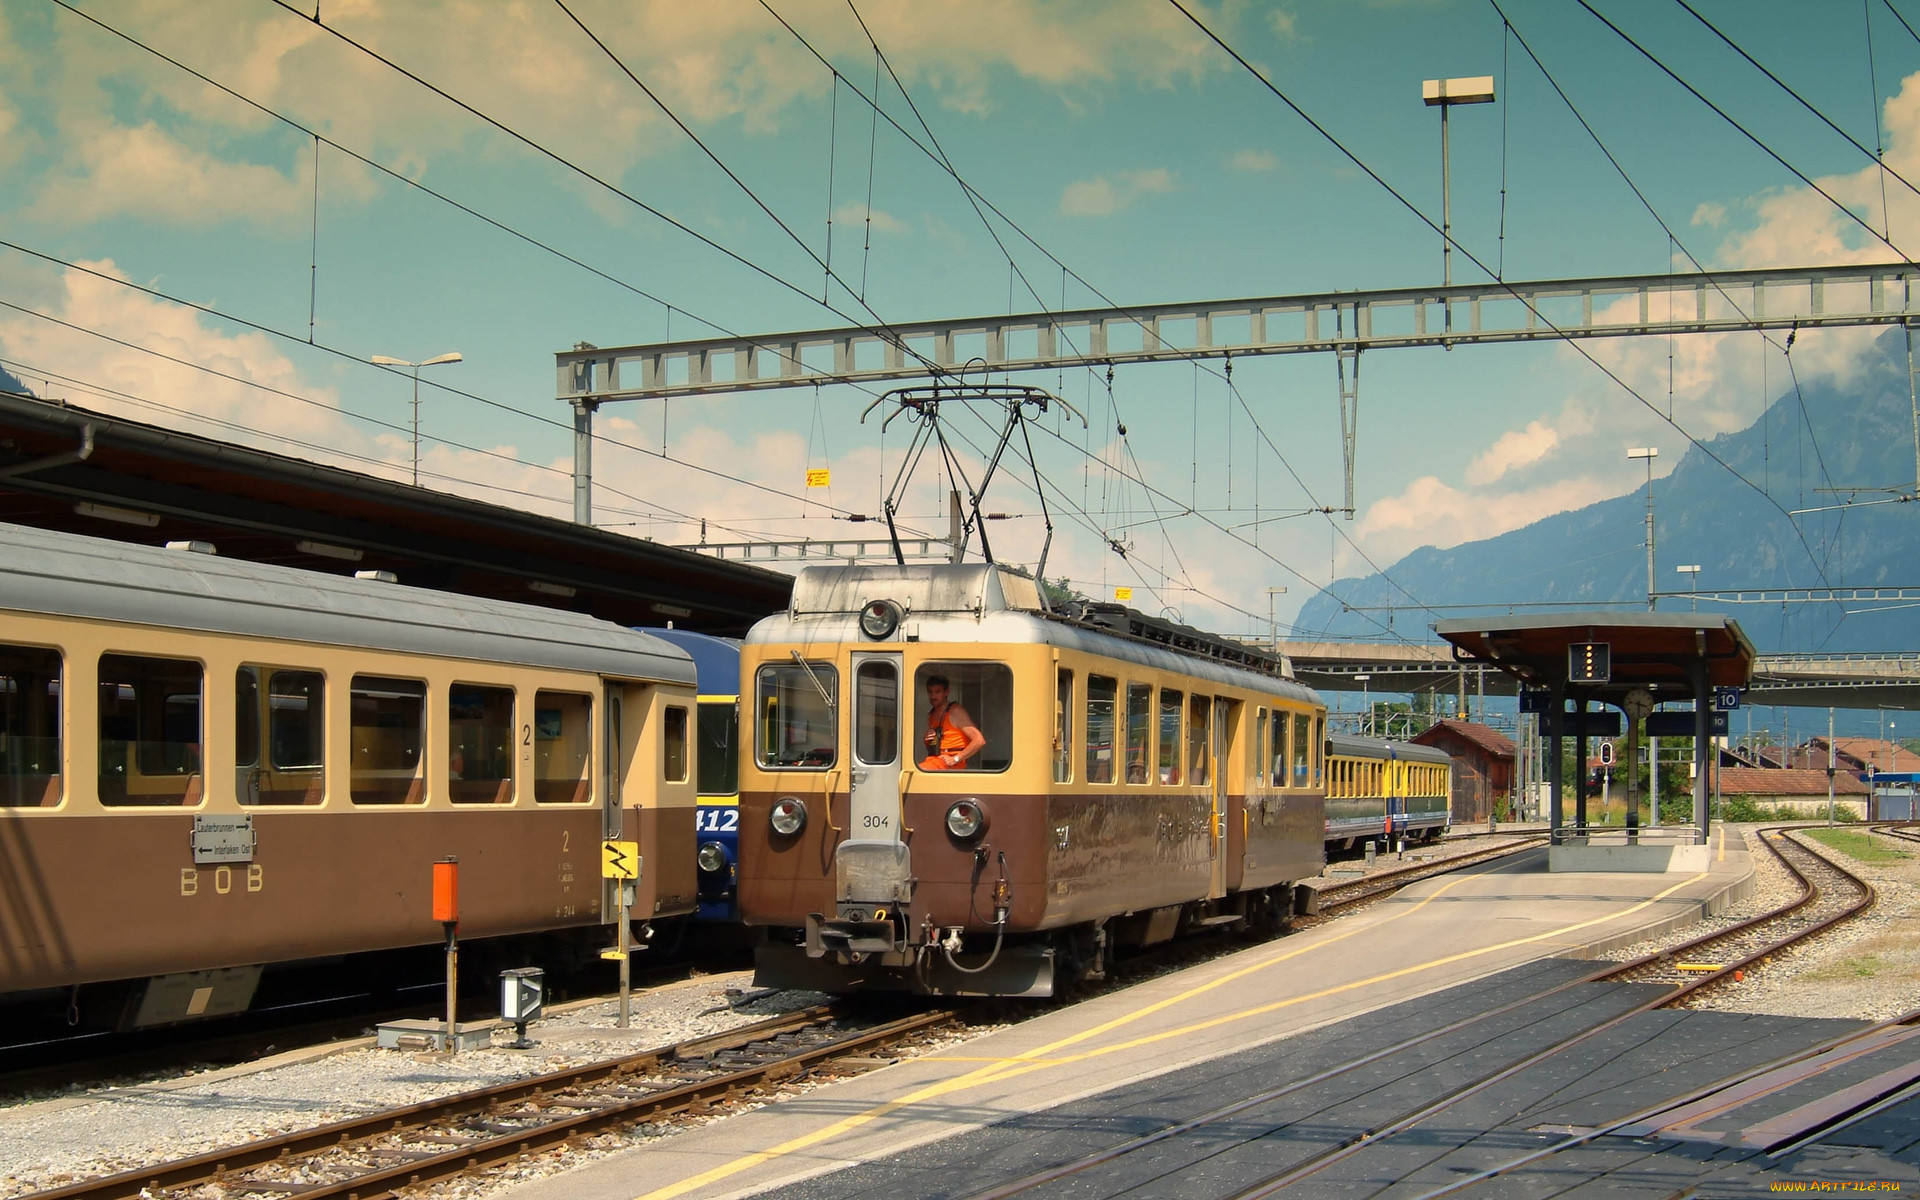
[(209, 765), (1137, 778)]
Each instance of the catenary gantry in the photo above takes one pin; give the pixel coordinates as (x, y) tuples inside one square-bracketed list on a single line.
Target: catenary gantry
[(1343, 323)]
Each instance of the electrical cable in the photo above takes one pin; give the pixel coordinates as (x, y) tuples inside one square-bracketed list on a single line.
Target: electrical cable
[(1769, 151), (1542, 318), (561, 160)]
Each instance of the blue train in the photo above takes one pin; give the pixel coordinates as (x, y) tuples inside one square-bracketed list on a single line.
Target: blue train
[(716, 662)]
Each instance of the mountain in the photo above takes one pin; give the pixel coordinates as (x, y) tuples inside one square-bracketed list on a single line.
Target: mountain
[(1704, 514)]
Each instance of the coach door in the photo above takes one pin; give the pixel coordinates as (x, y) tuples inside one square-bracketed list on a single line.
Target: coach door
[(611, 812)]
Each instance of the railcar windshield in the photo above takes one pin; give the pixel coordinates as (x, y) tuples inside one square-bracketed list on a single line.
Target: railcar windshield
[(717, 771), (799, 709)]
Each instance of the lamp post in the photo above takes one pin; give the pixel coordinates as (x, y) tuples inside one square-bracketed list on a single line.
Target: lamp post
[(1692, 572), (381, 360), (1443, 94), (1649, 453), (1365, 708), (1273, 624)]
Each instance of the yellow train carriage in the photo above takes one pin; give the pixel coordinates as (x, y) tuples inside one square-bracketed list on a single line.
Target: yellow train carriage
[(208, 766), (948, 789)]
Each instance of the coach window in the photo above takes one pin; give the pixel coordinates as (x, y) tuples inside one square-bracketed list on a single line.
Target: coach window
[(673, 753), (29, 727), (149, 730), (1170, 705), (1199, 709), (1277, 750), (479, 744), (1259, 756), (1315, 746), (387, 731), (1139, 731), (799, 707), (1302, 749), (561, 736), (292, 713), (1102, 727), (1062, 726)]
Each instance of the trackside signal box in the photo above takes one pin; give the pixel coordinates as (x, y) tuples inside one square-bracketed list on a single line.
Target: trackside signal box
[(1589, 662)]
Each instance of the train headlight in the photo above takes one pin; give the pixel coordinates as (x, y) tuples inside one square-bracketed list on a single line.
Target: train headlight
[(966, 819), (789, 816), (879, 619), (712, 858)]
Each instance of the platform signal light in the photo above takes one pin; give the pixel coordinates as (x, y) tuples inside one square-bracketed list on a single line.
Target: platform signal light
[(1589, 662)]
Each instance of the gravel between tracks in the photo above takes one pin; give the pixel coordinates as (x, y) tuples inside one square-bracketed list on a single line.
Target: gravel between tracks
[(1868, 968), (89, 1132)]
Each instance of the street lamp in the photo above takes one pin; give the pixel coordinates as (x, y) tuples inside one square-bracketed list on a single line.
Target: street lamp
[(1444, 94), (381, 360), (1692, 572), (1649, 453), (1273, 625), (1365, 707)]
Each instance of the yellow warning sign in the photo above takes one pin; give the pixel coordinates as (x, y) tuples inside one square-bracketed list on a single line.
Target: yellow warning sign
[(819, 477), (619, 860), (1123, 593), (613, 952)]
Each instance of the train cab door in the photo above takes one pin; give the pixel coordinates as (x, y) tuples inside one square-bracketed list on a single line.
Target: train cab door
[(871, 865)]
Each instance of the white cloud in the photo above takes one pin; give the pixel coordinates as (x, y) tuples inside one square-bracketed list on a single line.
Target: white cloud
[(1253, 160), (1285, 24), (1428, 512), (724, 61), (1515, 449), (1103, 197), (857, 214), (141, 171), (1710, 213)]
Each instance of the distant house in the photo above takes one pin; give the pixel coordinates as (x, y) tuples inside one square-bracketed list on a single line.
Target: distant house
[(1859, 755), (1800, 789), (1483, 761)]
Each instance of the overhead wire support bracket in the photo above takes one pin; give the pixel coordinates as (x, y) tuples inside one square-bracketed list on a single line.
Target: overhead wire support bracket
[(921, 405)]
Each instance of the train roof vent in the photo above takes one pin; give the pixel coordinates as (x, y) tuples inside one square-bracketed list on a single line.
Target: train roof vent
[(918, 588)]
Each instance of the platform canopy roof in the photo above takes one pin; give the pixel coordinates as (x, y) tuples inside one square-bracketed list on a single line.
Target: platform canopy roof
[(145, 483), (1648, 650)]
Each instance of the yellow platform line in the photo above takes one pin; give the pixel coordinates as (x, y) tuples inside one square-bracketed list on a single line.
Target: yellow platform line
[(1004, 1069)]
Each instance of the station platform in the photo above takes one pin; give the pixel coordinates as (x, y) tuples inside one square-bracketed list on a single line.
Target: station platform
[(1435, 935)]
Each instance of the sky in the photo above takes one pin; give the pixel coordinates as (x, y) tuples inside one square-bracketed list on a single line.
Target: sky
[(177, 256)]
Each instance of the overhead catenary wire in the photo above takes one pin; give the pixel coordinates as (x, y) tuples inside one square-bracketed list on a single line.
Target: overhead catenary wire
[(1414, 209)]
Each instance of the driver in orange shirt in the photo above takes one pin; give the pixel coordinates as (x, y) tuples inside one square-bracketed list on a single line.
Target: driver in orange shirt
[(951, 737)]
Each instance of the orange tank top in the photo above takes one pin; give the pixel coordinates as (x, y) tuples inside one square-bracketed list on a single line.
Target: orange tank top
[(952, 741)]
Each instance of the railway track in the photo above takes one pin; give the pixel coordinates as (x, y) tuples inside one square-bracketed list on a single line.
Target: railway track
[(375, 1156), (1338, 896), (372, 1156), (1829, 895)]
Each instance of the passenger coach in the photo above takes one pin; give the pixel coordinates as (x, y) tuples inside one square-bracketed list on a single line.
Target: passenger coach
[(210, 766), (951, 790)]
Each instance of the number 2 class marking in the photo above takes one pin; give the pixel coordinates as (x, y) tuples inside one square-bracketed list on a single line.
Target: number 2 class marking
[(566, 840)]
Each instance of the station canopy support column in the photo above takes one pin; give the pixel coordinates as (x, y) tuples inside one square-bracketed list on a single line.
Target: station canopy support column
[(1628, 661)]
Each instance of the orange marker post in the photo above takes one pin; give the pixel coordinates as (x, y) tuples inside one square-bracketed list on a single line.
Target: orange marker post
[(446, 910)]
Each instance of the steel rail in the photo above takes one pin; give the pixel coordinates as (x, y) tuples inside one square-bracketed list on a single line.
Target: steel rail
[(585, 1116), (1810, 895)]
